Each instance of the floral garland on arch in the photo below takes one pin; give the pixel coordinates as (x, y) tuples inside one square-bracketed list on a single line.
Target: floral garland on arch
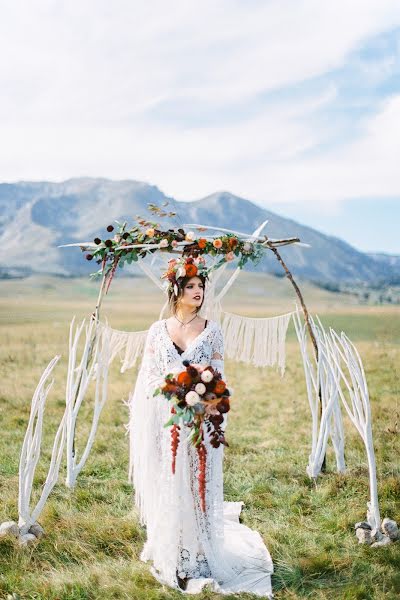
[(130, 245)]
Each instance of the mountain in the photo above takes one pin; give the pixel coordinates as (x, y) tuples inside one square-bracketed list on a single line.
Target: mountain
[(36, 217)]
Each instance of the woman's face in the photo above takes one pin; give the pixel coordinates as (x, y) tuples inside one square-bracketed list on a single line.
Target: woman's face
[(193, 293)]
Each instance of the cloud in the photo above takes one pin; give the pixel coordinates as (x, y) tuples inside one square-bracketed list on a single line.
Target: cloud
[(200, 96)]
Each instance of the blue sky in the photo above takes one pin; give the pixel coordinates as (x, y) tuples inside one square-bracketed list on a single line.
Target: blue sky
[(294, 104)]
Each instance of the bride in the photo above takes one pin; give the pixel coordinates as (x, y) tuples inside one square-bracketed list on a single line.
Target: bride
[(189, 548)]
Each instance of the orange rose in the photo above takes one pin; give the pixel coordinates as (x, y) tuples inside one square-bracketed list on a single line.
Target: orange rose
[(191, 270), (184, 378), (202, 243), (220, 387), (217, 243)]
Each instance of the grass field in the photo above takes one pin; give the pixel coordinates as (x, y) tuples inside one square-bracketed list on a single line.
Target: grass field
[(93, 537)]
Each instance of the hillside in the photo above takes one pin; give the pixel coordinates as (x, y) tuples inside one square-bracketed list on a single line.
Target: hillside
[(37, 217)]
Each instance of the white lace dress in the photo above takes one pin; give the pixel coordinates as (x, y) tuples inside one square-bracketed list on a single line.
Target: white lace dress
[(212, 547)]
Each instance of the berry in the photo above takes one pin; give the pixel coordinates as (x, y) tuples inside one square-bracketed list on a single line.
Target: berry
[(110, 228), (97, 241)]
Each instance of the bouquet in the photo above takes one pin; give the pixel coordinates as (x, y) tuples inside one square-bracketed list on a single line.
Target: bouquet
[(198, 398)]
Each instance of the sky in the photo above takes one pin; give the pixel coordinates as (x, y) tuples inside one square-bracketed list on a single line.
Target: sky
[(293, 104)]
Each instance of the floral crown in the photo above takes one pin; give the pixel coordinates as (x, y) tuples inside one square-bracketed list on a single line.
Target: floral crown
[(186, 266)]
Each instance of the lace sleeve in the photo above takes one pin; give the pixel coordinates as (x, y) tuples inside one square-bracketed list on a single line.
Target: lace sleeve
[(149, 366), (217, 357)]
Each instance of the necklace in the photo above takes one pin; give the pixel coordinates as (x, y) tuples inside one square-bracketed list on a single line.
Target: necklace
[(185, 324)]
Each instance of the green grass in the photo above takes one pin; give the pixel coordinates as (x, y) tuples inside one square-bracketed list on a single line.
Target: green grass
[(93, 536)]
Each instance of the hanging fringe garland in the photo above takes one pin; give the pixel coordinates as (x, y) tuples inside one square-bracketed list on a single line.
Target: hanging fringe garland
[(129, 345), (257, 341), (260, 341)]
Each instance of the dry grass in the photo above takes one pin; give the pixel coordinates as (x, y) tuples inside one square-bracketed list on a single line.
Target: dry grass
[(93, 536)]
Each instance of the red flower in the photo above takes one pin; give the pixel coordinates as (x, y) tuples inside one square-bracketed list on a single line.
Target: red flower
[(191, 270), (220, 387), (202, 243), (184, 378)]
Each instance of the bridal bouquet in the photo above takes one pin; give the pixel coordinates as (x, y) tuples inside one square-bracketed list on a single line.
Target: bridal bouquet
[(197, 398)]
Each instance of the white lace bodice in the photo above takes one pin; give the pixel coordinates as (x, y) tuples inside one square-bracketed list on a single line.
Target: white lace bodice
[(161, 355)]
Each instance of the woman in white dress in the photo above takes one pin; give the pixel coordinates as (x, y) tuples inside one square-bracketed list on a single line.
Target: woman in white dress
[(189, 548)]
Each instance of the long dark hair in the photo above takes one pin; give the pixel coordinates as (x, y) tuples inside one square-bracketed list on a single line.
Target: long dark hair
[(181, 283)]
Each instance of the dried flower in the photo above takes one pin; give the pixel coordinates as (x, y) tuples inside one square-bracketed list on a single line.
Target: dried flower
[(192, 398), (220, 387), (181, 272), (184, 378), (223, 406), (191, 270), (206, 376), (200, 388), (247, 247)]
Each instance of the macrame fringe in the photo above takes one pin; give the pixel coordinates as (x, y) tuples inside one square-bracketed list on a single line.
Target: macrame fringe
[(129, 345), (259, 341)]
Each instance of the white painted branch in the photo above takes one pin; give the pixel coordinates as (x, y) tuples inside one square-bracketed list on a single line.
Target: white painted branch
[(322, 394), (344, 353), (247, 236), (94, 363), (30, 454)]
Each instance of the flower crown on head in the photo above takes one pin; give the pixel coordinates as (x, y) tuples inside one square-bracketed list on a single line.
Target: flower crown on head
[(186, 266)]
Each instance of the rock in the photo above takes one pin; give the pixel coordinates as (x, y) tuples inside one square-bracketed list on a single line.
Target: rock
[(28, 539), (384, 541), (363, 525), (376, 535), (363, 536), (390, 529), (37, 530), (9, 529)]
